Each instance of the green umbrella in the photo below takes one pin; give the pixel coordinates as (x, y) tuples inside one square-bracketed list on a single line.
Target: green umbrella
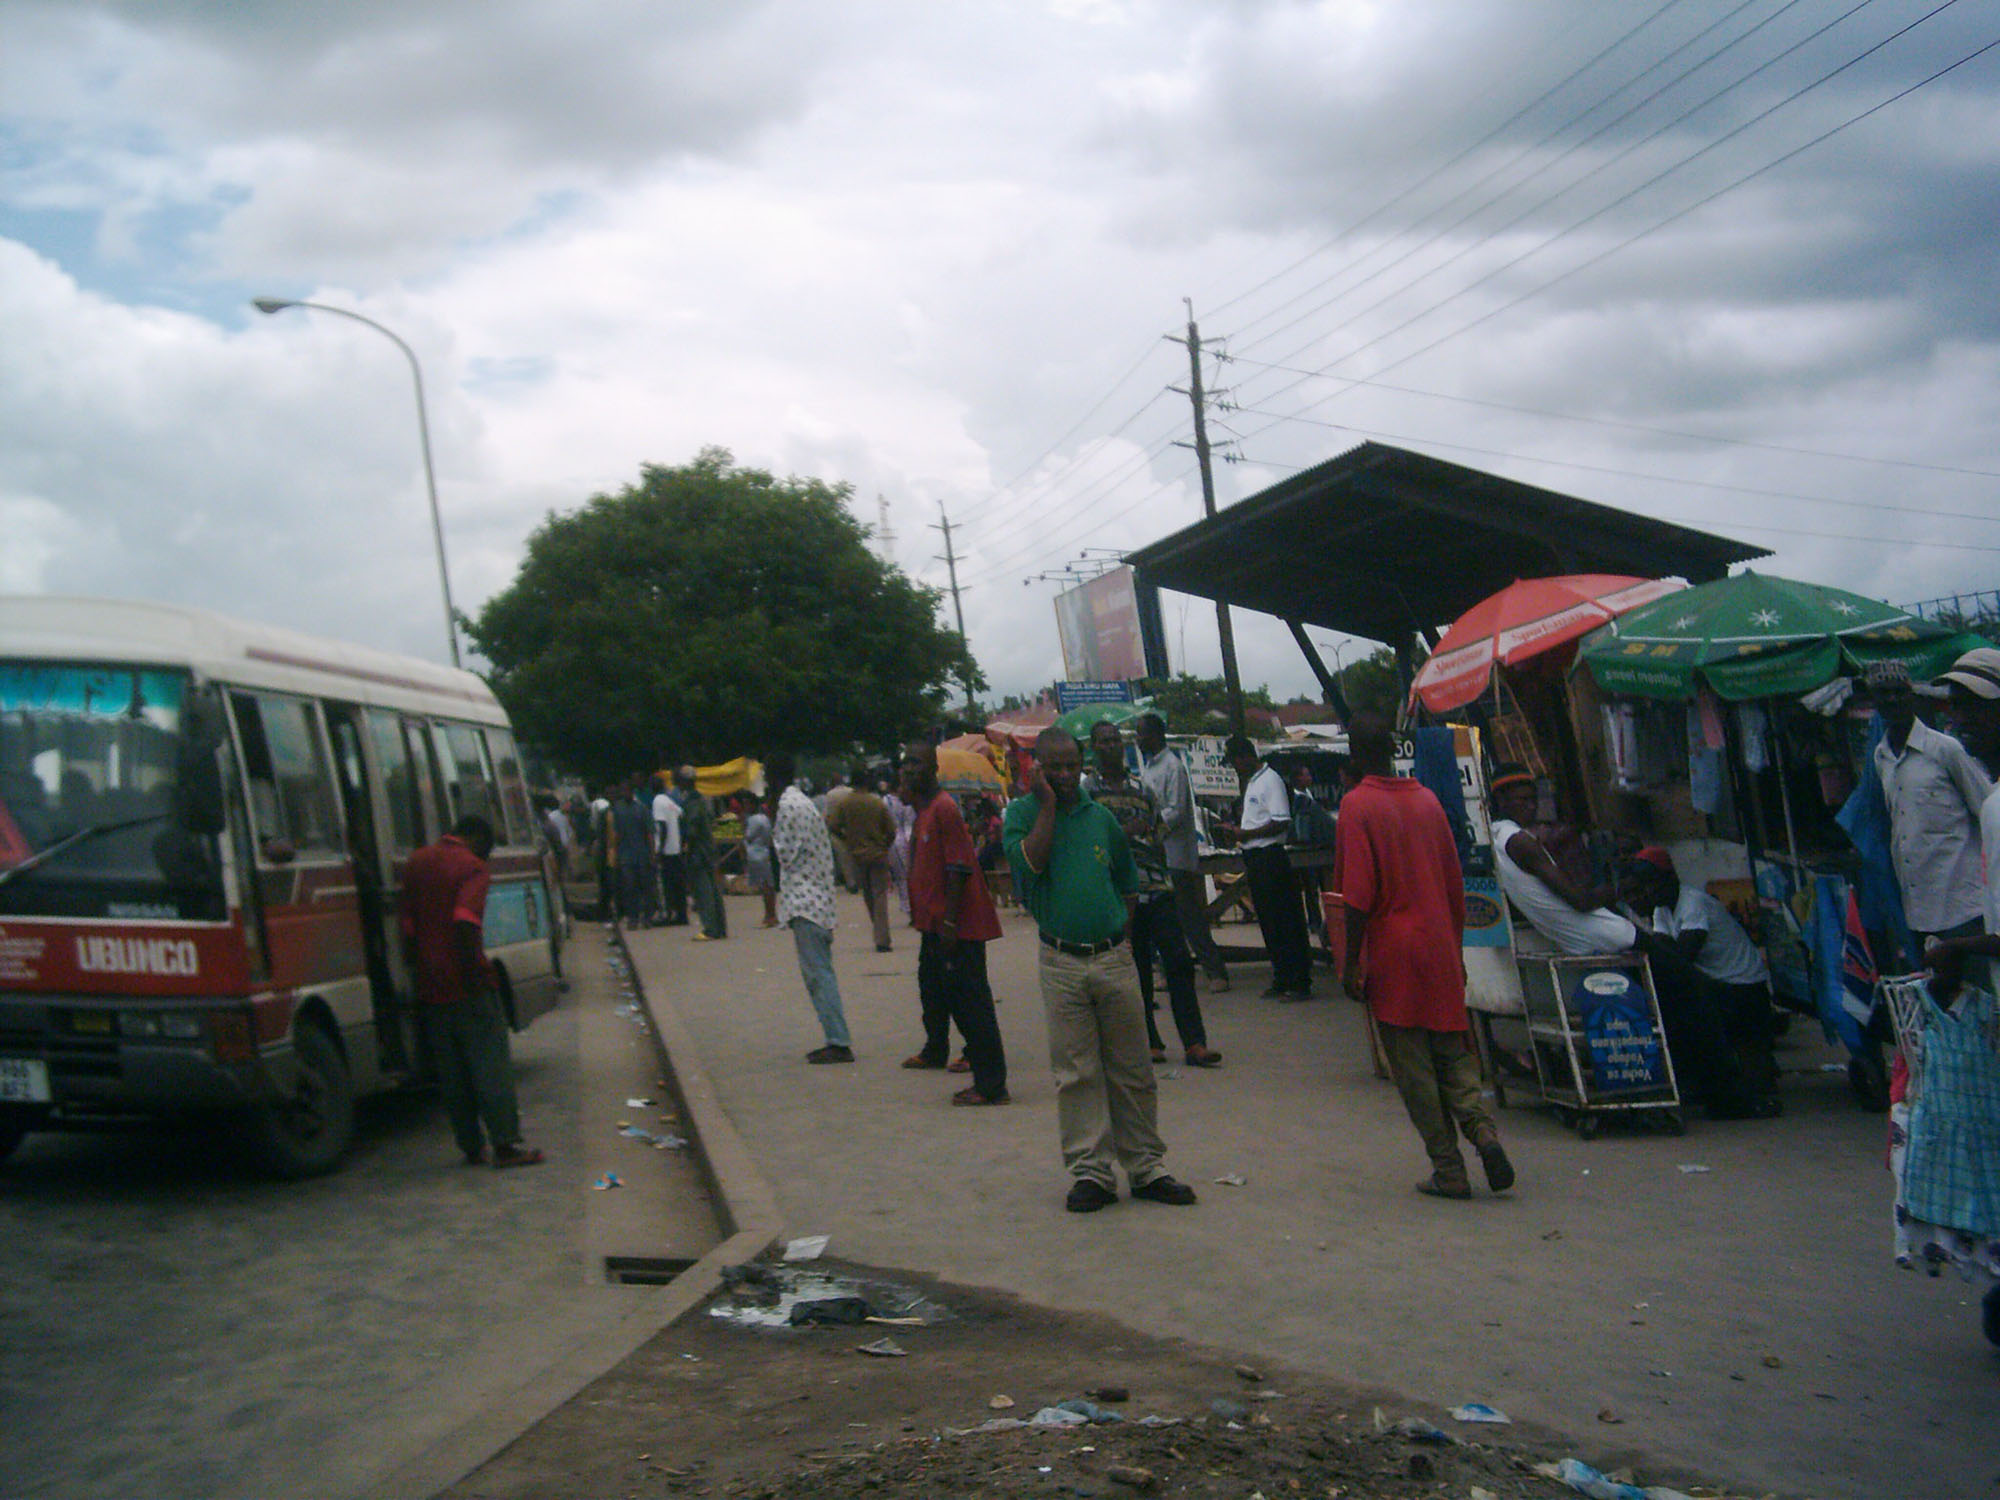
[(1080, 721), (1753, 636)]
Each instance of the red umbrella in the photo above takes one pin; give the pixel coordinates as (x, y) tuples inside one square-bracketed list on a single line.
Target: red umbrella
[(1526, 618)]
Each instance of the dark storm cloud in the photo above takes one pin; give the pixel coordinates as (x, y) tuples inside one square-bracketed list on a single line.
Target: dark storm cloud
[(611, 83)]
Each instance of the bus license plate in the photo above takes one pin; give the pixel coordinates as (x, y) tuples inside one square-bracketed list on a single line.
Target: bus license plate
[(24, 1080)]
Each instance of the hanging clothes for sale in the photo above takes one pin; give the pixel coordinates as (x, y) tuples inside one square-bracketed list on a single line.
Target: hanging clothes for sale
[(1753, 732), (1435, 764), (1864, 818), (1948, 1198), (1705, 722), (1641, 743)]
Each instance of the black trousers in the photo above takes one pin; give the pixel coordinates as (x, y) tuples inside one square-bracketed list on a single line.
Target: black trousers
[(637, 895), (1156, 929), (953, 989), (1280, 916), (1704, 1061), (674, 889)]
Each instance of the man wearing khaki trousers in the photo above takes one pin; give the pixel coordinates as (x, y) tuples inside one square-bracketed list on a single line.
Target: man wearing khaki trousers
[(861, 822), (1396, 865), (1074, 873)]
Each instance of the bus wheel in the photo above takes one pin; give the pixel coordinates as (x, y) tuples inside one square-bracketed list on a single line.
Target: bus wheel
[(14, 1126), (305, 1132)]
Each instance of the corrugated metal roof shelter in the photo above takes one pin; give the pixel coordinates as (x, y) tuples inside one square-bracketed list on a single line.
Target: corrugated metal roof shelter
[(1386, 544)]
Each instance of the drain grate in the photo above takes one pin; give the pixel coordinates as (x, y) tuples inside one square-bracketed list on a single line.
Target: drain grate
[(643, 1270)]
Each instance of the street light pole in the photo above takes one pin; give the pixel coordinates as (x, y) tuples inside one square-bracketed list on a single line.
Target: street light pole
[(279, 304)]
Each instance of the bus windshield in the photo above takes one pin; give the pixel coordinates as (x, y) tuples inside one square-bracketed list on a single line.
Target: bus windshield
[(90, 823)]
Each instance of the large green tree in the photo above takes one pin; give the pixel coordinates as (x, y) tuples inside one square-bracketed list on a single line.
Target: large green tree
[(1371, 684), (711, 611), (1198, 705)]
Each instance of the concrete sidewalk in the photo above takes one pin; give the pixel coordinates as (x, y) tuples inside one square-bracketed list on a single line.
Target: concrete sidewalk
[(1743, 1322)]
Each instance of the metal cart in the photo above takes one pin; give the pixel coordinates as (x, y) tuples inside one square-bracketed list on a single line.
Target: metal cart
[(1904, 995), (1585, 1075)]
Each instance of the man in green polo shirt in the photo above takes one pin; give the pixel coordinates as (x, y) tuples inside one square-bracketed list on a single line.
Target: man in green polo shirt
[(1074, 873)]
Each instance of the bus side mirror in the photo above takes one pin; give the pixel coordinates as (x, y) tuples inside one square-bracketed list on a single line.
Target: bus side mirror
[(199, 785)]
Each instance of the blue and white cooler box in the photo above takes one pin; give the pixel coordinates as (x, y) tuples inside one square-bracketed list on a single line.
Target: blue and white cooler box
[(1626, 1054)]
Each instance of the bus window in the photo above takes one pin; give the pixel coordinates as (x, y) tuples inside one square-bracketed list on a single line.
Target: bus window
[(463, 756), (513, 790), (430, 782), (284, 766), (385, 732)]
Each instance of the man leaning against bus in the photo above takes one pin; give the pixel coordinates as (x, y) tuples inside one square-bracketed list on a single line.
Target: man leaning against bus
[(443, 912)]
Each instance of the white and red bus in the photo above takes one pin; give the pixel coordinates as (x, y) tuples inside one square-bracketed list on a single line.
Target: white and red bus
[(203, 828)]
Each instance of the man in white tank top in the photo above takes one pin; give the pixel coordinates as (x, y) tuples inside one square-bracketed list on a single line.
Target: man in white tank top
[(1578, 919)]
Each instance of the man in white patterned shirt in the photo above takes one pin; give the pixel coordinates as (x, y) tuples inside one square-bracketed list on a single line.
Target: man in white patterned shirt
[(1934, 790), (805, 904)]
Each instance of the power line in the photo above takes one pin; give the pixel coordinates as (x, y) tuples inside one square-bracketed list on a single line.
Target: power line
[(1012, 541), (1440, 170), (1023, 518), (1565, 416), (1055, 480), (1616, 202), (1147, 498), (1072, 528), (1011, 518), (1546, 166), (1146, 354), (1987, 517), (1673, 217)]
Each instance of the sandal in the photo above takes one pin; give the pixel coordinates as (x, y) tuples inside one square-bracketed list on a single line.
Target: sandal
[(515, 1156)]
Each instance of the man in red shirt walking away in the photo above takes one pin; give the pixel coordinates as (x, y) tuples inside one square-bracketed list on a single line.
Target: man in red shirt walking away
[(1396, 865), (952, 912), (443, 911)]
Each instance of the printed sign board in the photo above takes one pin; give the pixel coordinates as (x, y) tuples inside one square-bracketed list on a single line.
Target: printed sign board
[(1099, 625), (1625, 1050), (1485, 913), (1208, 773), (1071, 695)]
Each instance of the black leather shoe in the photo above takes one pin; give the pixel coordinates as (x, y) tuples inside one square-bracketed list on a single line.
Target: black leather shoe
[(1499, 1170), (1165, 1190), (1087, 1197)]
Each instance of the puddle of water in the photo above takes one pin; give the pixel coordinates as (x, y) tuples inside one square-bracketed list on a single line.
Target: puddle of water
[(799, 1284)]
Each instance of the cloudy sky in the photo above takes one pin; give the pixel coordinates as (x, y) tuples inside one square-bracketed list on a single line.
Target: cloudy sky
[(1725, 263)]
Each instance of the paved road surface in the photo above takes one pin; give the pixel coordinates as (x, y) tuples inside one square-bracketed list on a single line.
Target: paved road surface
[(170, 1328), (1610, 1280)]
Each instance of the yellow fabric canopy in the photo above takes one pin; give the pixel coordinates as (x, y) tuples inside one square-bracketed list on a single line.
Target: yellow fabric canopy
[(740, 774)]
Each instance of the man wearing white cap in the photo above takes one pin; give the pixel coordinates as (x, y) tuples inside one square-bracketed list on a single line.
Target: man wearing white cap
[(1934, 790)]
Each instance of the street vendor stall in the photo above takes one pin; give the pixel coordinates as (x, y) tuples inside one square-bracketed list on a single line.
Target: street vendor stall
[(1711, 721), (1503, 665)]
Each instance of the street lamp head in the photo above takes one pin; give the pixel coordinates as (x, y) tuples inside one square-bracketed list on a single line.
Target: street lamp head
[(271, 304)]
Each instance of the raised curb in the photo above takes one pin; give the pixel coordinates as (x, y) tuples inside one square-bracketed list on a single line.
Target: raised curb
[(749, 1216)]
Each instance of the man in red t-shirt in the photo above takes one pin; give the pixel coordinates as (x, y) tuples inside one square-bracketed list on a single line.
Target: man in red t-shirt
[(442, 913), (954, 915), (1396, 865)]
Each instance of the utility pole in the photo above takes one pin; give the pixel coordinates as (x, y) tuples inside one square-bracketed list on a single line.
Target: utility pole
[(950, 560), (1225, 632), (885, 538)]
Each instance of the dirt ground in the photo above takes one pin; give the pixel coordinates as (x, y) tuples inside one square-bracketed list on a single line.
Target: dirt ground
[(713, 1408)]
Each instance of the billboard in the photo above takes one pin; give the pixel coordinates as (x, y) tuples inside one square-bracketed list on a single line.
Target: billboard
[(1099, 625)]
